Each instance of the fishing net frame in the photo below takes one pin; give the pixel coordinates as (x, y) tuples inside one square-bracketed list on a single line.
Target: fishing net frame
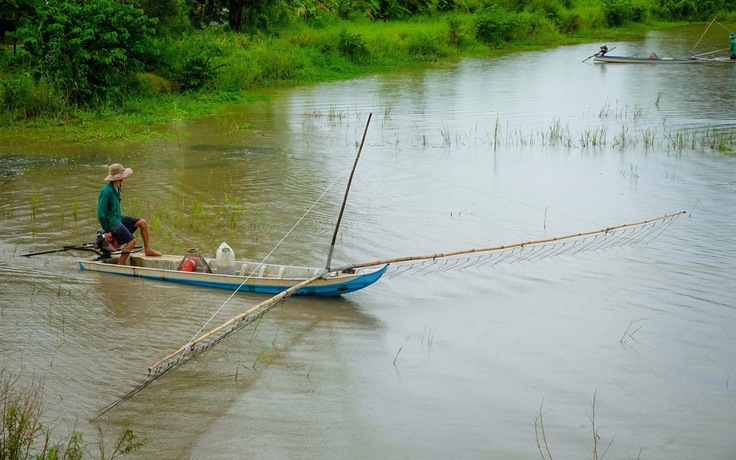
[(596, 240), (632, 235)]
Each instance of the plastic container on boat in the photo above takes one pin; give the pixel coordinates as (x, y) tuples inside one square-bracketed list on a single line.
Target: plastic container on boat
[(225, 260)]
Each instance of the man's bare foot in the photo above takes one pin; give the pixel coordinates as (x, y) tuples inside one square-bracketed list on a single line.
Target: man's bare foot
[(152, 253)]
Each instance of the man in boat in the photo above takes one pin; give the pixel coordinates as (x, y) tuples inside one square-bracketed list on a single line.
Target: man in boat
[(604, 50), (732, 36), (114, 224)]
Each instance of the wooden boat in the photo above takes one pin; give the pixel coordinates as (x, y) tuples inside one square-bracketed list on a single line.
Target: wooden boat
[(250, 276), (652, 59)]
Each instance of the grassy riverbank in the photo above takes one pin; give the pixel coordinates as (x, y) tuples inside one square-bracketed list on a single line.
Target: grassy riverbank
[(198, 71)]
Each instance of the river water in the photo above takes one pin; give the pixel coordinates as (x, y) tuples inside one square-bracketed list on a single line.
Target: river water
[(635, 342)]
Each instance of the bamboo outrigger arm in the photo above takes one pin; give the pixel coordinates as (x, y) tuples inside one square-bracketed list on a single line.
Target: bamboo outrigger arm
[(232, 321), (507, 246)]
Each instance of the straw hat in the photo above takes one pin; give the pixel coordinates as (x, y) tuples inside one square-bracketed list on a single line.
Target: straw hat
[(117, 172)]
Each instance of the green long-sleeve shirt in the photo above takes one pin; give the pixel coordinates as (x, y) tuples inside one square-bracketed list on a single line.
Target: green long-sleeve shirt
[(733, 47), (108, 207)]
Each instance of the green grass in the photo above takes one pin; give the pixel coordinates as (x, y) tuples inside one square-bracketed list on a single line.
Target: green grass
[(131, 121)]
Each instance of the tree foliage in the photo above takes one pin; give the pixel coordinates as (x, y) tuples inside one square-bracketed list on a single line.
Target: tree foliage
[(496, 25), (238, 14), (12, 12), (85, 47)]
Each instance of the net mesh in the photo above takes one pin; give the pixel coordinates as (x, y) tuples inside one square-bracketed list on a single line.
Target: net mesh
[(157, 372), (531, 251)]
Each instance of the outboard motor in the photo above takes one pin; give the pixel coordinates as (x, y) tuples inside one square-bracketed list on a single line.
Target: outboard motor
[(105, 248), (101, 245)]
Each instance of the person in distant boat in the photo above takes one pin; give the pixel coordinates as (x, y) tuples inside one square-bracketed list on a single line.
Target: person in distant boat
[(114, 224), (604, 50), (732, 36)]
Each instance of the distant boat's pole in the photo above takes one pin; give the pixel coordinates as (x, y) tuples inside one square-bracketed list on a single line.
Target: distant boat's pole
[(347, 190), (703, 35)]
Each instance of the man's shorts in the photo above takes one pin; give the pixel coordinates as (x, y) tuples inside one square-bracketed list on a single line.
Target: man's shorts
[(123, 232)]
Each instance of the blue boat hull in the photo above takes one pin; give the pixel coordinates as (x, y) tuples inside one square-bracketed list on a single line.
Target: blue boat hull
[(334, 284)]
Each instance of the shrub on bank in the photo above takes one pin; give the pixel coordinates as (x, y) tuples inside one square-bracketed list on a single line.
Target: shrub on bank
[(24, 98)]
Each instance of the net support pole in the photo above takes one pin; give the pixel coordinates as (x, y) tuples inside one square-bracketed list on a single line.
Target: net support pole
[(345, 198)]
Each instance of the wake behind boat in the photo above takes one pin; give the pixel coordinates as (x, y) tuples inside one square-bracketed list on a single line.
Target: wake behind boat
[(249, 276), (652, 59), (717, 59)]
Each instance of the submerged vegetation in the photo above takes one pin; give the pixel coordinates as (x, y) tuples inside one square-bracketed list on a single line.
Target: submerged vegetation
[(70, 65), (24, 436), (598, 451)]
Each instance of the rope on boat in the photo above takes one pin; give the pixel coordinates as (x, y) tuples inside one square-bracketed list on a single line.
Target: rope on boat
[(263, 261)]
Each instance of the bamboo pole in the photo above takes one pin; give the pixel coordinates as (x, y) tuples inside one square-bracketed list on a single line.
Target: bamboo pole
[(235, 319), (711, 52), (347, 190), (507, 246), (83, 247)]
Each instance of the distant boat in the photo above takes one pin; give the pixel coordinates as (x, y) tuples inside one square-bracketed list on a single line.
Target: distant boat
[(652, 59)]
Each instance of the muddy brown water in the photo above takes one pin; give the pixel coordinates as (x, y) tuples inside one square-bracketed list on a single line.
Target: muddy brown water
[(456, 364)]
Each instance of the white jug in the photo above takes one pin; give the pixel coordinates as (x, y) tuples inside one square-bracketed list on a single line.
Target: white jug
[(225, 260)]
